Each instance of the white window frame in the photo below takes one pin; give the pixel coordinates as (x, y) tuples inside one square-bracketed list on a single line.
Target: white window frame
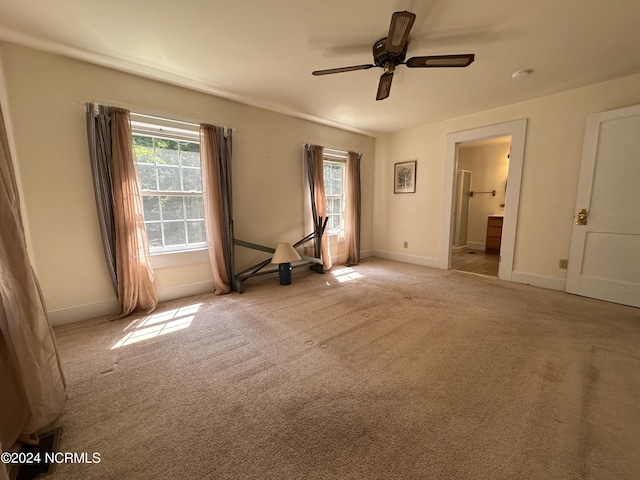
[(337, 158), (150, 126)]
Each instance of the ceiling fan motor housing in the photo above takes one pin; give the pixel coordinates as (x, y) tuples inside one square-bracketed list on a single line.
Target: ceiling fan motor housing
[(381, 56)]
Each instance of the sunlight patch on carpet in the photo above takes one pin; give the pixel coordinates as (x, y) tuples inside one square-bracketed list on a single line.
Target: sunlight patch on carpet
[(158, 324), (346, 274)]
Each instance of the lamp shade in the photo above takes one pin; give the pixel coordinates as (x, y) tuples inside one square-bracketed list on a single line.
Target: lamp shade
[(285, 253)]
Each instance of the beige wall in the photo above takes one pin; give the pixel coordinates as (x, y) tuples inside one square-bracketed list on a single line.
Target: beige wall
[(552, 156), (46, 96), (488, 166)]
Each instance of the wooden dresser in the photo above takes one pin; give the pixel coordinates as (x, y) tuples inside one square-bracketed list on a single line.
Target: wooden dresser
[(494, 234)]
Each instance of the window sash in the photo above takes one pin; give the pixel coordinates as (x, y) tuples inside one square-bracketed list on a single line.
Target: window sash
[(335, 159), (172, 234)]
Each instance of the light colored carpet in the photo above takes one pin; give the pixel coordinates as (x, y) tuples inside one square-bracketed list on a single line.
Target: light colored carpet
[(403, 372)]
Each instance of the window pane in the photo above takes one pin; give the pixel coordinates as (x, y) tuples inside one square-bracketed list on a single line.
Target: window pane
[(328, 206), (172, 208), (194, 207), (154, 234), (171, 221), (190, 147), (143, 149), (166, 152), (336, 180), (147, 175), (327, 179), (139, 140), (192, 179), (196, 232), (174, 233), (169, 178), (190, 154), (337, 206), (335, 222), (151, 207)]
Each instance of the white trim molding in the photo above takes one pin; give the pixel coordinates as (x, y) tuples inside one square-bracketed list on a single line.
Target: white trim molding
[(366, 253), (541, 281), (78, 313), (517, 131), (476, 246), (101, 308), (406, 258)]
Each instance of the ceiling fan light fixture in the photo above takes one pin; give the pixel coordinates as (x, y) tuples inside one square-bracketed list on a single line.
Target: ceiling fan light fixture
[(390, 51)]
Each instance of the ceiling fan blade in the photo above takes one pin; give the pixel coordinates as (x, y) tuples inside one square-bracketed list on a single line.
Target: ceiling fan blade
[(436, 61), (329, 71), (384, 86), (401, 23)]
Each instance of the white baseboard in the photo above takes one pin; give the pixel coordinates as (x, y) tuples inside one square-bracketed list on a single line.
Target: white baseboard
[(551, 283), (363, 254), (181, 291), (517, 277), (77, 313), (366, 253), (476, 246), (406, 258)]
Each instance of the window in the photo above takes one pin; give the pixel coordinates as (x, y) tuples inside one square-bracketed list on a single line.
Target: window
[(334, 166), (168, 164)]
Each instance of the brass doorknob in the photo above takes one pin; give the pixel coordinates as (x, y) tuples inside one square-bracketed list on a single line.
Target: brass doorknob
[(581, 217)]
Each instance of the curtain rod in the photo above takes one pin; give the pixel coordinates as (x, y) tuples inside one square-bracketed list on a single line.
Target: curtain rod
[(136, 110), (340, 149)]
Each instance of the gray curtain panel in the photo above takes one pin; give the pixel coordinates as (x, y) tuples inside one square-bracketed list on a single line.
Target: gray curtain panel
[(310, 169), (314, 162), (353, 208), (216, 152), (99, 136), (224, 137)]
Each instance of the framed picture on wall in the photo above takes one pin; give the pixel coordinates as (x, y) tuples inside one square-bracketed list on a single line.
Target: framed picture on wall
[(404, 177)]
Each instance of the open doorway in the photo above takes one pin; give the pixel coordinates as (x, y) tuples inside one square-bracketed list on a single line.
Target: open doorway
[(479, 202), (454, 142)]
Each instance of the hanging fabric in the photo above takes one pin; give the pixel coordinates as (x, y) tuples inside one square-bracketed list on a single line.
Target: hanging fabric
[(99, 136), (136, 280), (32, 386), (120, 211), (216, 150), (314, 163), (353, 208)]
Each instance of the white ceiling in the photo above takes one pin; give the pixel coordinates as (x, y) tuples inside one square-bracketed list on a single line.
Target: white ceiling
[(262, 52)]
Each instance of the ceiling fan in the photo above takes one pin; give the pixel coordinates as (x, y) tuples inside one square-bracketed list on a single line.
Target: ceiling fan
[(389, 52)]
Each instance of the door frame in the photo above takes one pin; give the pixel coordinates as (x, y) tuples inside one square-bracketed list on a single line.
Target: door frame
[(517, 130)]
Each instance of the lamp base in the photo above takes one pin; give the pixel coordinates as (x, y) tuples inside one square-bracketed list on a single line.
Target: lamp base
[(284, 272)]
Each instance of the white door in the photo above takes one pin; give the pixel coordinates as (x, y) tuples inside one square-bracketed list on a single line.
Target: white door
[(605, 252)]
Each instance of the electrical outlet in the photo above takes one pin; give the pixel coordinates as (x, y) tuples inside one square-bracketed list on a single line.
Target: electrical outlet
[(406, 244), (563, 264)]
